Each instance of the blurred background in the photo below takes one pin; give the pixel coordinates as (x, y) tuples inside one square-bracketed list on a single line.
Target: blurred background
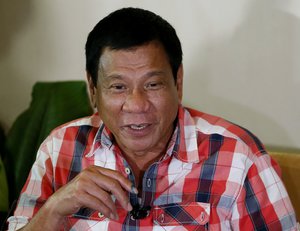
[(241, 57)]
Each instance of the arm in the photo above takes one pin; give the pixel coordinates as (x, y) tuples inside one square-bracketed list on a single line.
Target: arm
[(92, 188), (263, 203), (88, 189)]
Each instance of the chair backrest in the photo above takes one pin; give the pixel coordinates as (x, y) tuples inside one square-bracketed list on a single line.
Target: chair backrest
[(289, 163), (52, 104)]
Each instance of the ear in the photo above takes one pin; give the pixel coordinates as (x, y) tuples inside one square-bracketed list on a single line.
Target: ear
[(92, 90), (179, 82)]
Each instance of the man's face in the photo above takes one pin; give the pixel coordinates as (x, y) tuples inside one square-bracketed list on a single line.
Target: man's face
[(137, 97)]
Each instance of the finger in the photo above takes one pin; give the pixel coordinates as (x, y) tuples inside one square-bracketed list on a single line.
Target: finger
[(103, 196), (125, 183), (113, 186), (92, 202), (84, 192)]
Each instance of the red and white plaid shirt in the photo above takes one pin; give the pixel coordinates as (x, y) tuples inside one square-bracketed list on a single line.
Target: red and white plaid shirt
[(214, 176)]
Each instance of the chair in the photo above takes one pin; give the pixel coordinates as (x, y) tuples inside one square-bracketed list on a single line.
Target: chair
[(289, 163), (53, 103)]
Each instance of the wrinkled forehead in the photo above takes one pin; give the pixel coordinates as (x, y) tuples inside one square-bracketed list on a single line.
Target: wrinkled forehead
[(144, 49)]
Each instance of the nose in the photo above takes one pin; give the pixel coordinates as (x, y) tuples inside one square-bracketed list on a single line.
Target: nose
[(136, 102)]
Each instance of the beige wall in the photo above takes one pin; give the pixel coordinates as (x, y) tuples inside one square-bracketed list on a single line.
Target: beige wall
[(241, 57)]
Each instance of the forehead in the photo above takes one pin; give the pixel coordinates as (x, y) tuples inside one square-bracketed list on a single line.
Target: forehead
[(148, 52)]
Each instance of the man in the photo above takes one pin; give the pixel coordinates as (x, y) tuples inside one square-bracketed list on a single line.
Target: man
[(143, 161)]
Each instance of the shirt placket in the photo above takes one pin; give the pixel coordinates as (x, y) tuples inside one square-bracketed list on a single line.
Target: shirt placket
[(141, 206), (129, 221)]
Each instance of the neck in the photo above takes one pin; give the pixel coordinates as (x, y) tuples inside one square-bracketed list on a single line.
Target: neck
[(142, 162)]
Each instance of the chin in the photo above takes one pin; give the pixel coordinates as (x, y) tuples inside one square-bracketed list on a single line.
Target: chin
[(137, 146)]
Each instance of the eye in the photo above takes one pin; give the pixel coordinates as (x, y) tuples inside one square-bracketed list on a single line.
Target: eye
[(118, 87), (154, 85)]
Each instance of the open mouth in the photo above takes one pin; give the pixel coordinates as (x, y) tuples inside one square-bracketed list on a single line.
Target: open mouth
[(138, 127)]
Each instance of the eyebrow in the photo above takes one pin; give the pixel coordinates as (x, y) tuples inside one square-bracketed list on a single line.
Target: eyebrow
[(113, 76), (153, 73), (147, 75)]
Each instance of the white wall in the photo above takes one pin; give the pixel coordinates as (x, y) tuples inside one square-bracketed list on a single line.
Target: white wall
[(241, 57)]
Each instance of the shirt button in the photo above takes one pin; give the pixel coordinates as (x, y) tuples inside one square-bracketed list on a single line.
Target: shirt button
[(148, 182), (202, 216), (162, 218), (127, 170), (100, 215)]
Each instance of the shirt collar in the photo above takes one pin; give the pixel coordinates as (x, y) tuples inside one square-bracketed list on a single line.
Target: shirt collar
[(183, 143), (103, 138), (187, 138)]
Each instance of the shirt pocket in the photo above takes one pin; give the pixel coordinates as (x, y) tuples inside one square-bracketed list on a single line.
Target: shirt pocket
[(189, 214)]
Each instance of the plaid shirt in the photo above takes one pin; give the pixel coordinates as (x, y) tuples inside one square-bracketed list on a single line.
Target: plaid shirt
[(214, 176)]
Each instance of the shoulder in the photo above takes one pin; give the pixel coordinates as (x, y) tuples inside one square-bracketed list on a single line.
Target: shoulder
[(92, 121), (80, 130), (211, 125)]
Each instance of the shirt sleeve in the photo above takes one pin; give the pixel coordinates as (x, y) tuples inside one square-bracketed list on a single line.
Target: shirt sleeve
[(37, 188), (263, 202)]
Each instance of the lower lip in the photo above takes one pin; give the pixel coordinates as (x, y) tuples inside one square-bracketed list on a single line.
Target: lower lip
[(136, 132)]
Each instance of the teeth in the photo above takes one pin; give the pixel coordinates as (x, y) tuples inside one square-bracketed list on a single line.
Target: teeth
[(137, 127)]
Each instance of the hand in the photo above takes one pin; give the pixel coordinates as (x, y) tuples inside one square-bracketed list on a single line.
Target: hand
[(92, 188)]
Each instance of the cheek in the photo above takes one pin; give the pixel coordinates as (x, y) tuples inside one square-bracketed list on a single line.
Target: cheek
[(105, 101), (167, 105), (168, 99), (109, 107)]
